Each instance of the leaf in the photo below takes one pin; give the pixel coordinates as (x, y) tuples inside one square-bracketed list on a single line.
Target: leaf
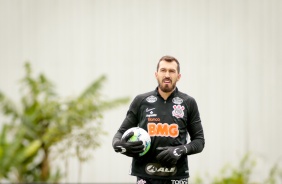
[(45, 123), (7, 106), (94, 88), (32, 148)]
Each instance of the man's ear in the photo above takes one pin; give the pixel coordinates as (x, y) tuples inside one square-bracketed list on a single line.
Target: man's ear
[(178, 77), (156, 75)]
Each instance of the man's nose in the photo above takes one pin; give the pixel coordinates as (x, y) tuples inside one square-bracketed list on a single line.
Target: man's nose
[(166, 74)]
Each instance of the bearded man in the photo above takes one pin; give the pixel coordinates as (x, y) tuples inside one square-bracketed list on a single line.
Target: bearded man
[(170, 117)]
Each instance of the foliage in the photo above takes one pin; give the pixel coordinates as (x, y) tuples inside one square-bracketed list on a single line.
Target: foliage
[(44, 123), (242, 173)]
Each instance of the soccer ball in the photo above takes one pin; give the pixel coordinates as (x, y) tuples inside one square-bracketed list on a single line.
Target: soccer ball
[(139, 135)]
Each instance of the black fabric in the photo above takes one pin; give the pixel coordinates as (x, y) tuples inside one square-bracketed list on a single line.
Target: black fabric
[(170, 123), (161, 181)]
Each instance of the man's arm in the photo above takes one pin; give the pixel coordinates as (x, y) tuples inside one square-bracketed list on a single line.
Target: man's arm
[(170, 155), (129, 122), (131, 149), (195, 130)]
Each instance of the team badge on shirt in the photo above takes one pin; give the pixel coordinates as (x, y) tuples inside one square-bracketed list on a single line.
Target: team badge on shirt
[(178, 111)]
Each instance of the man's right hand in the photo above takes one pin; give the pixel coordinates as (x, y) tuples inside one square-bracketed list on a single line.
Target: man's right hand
[(131, 149)]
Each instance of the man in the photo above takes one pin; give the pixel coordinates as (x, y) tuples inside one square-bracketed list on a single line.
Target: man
[(169, 116)]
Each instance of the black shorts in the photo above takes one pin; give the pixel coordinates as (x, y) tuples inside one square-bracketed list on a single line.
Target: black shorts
[(159, 181)]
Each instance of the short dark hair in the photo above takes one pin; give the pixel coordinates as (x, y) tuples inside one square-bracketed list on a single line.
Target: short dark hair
[(169, 59)]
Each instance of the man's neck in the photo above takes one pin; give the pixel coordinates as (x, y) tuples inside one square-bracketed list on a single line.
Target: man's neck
[(165, 95)]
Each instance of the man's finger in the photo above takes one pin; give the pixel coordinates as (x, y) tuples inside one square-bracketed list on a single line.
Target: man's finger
[(161, 148), (130, 134)]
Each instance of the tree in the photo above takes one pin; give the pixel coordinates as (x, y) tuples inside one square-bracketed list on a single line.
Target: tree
[(44, 123)]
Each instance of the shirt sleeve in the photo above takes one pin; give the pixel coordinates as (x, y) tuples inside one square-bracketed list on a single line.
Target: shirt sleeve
[(195, 129), (130, 120)]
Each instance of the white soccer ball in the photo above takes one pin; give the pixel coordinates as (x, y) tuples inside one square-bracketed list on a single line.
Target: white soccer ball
[(139, 135)]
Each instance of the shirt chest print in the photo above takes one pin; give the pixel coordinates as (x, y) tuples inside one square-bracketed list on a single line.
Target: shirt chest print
[(178, 111)]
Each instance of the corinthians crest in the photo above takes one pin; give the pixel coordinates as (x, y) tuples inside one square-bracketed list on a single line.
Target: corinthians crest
[(178, 111)]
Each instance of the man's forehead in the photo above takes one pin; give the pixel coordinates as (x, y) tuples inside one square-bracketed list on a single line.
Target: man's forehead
[(166, 64)]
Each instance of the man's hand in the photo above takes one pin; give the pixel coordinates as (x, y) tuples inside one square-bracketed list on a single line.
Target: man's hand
[(131, 149), (170, 155)]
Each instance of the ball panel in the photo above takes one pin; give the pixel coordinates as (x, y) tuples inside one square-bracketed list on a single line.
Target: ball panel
[(142, 135)]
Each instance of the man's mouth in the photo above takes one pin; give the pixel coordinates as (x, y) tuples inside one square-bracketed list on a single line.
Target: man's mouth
[(166, 81)]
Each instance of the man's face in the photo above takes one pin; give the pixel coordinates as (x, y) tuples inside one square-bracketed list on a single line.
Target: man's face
[(167, 76)]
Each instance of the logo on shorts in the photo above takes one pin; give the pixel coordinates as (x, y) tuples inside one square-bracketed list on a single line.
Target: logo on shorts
[(180, 181), (141, 181)]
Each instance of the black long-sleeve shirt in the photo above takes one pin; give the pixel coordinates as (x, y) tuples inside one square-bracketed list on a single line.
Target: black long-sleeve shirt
[(169, 123)]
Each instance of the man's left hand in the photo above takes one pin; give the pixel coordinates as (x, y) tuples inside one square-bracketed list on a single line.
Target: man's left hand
[(170, 155)]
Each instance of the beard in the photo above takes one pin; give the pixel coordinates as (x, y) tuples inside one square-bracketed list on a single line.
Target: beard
[(167, 87)]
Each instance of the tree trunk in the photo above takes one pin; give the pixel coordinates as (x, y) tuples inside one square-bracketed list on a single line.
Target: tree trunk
[(45, 168)]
